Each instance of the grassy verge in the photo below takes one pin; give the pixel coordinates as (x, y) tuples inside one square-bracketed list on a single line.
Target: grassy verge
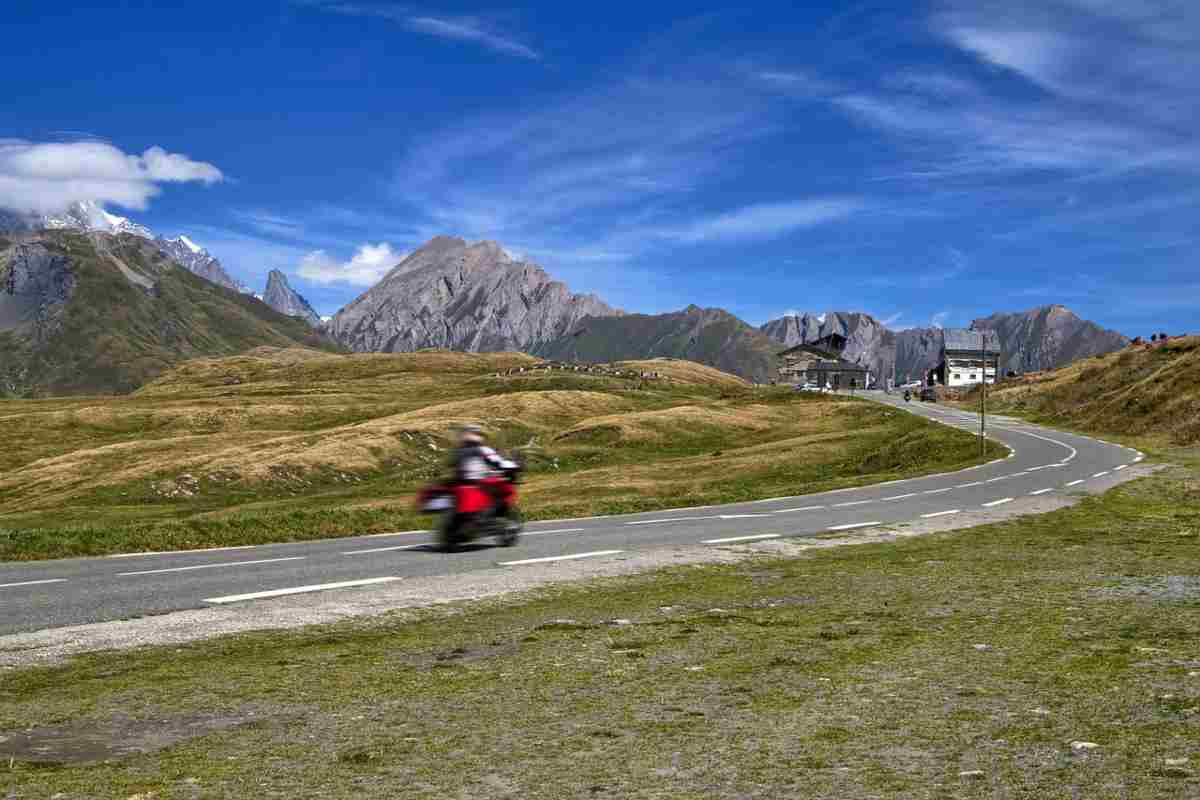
[(299, 445), (955, 665)]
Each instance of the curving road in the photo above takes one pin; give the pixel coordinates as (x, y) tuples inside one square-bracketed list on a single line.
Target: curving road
[(39, 595)]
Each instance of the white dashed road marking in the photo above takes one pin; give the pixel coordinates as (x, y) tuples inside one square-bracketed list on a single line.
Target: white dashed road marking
[(1118, 469), (1042, 491), (937, 491), (742, 516), (940, 513), (316, 587), (999, 502), (854, 525), (32, 583), (852, 503), (900, 496), (803, 508), (1075, 483), (384, 549), (212, 566), (1100, 474), (181, 552), (965, 485), (556, 530), (545, 559), (742, 538)]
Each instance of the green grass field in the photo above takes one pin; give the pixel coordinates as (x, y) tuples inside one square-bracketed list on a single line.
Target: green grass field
[(960, 665), (281, 445)]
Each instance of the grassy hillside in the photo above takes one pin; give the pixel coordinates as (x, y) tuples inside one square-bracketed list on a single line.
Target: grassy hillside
[(131, 315), (1143, 390), (292, 443), (709, 336)]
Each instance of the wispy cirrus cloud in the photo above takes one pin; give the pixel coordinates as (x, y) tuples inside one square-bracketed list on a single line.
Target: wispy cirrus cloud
[(762, 221), (474, 30)]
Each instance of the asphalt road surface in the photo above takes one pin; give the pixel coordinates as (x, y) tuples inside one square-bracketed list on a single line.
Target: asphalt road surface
[(49, 594)]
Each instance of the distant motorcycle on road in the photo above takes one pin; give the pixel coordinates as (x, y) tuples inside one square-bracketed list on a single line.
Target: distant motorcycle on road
[(470, 511), (907, 395)]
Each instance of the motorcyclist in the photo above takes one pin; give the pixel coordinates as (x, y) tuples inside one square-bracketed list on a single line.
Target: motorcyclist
[(907, 395), (473, 461)]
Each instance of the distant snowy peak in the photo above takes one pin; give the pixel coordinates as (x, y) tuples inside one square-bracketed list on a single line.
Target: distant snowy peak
[(198, 261), (88, 216), (189, 244)]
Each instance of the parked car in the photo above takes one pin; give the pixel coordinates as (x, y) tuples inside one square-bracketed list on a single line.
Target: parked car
[(809, 387), (929, 394)]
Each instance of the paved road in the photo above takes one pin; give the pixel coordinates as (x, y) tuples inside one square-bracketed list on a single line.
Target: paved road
[(35, 596)]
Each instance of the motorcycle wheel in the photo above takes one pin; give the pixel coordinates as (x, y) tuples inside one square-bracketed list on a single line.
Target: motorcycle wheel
[(449, 535), (511, 528)]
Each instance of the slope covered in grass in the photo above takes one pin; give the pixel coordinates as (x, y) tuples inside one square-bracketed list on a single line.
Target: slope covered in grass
[(94, 313), (1144, 390), (288, 443)]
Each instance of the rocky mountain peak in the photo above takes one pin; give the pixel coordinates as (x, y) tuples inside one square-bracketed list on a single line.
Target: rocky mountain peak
[(280, 296), (462, 296)]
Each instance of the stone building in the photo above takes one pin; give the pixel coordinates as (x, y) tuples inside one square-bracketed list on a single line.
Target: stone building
[(820, 363)]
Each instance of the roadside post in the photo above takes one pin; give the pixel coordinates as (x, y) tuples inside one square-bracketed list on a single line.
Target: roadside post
[(983, 393)]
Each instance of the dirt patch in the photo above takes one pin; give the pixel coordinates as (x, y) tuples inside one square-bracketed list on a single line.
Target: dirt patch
[(91, 741)]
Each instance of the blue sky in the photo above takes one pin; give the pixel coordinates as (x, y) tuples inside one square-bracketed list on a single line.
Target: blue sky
[(922, 161)]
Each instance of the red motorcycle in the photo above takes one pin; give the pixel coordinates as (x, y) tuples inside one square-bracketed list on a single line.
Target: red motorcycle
[(472, 511)]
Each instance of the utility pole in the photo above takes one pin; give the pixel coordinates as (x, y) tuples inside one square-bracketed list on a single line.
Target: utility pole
[(983, 394)]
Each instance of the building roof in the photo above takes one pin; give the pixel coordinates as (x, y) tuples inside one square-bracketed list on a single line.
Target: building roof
[(967, 339)]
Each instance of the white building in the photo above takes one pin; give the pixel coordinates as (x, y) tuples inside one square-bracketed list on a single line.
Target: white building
[(969, 357)]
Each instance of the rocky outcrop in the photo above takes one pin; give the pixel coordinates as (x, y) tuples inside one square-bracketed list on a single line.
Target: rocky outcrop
[(198, 261), (280, 296), (90, 216), (1048, 337), (918, 350), (35, 286), (710, 336), (459, 296)]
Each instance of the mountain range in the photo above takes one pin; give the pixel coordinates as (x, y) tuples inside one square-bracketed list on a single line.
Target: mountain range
[(99, 312), (458, 295)]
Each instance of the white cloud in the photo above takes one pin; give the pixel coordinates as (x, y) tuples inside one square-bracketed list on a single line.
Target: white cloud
[(938, 320), (45, 178), (1041, 56), (796, 81), (368, 265), (471, 30), (763, 221), (463, 29)]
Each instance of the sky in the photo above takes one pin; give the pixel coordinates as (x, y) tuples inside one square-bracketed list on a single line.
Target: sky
[(925, 162)]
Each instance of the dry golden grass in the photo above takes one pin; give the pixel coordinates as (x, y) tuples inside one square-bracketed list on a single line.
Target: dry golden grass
[(685, 372), (1141, 390)]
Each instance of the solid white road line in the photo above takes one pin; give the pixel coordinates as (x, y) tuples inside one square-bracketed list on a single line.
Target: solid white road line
[(556, 530), (1075, 483), (804, 508), (854, 525), (316, 587), (1042, 491), (999, 502), (213, 566), (592, 554), (182, 552), (1100, 474), (852, 503), (940, 513), (741, 538), (32, 583), (1018, 474)]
